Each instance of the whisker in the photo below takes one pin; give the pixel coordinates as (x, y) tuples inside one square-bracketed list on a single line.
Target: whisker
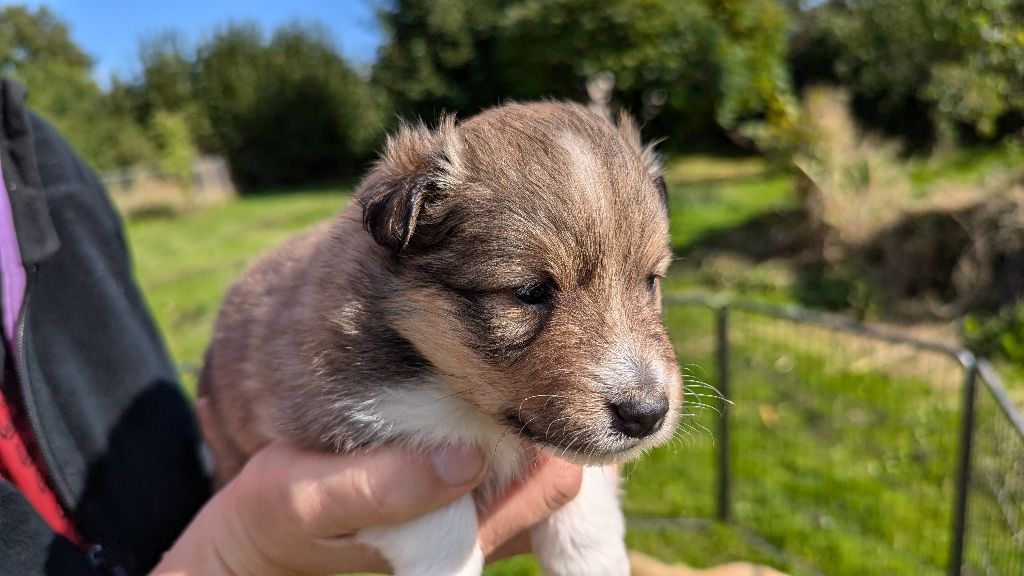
[(702, 428), (548, 396), (552, 423), (718, 397), (701, 406)]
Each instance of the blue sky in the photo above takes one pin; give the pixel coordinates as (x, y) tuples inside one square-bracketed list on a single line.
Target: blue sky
[(110, 30)]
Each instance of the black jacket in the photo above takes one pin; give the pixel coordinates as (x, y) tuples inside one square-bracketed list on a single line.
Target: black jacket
[(115, 432)]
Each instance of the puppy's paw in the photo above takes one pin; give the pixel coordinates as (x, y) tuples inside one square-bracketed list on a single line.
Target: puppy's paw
[(441, 543), (586, 537)]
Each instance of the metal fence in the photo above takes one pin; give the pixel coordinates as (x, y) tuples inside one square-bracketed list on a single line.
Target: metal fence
[(853, 447)]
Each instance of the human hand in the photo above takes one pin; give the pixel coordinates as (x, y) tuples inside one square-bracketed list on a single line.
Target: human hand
[(291, 512)]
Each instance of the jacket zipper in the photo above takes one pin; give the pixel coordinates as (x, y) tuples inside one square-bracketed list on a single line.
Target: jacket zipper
[(28, 399), (96, 554)]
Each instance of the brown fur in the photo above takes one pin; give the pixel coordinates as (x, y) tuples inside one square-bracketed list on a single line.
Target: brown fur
[(460, 219)]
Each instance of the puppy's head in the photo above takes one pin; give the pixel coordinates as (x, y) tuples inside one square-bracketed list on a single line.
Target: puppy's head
[(527, 246)]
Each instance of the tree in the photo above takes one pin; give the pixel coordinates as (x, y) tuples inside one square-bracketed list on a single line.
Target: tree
[(440, 56), (679, 65), (36, 49), (659, 54), (286, 111), (980, 86), (920, 68), (176, 152)]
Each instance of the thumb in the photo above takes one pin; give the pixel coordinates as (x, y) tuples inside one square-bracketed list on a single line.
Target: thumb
[(293, 506), (337, 495)]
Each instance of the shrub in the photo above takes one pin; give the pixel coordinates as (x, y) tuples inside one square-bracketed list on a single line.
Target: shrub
[(853, 185), (1001, 335)]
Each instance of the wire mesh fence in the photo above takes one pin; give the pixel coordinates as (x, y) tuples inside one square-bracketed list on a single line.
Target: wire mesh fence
[(848, 449), (994, 528)]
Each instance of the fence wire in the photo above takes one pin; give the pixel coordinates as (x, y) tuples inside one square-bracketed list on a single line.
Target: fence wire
[(994, 535), (843, 444)]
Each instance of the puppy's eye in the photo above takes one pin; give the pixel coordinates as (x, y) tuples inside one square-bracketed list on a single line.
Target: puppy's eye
[(539, 294), (652, 284)]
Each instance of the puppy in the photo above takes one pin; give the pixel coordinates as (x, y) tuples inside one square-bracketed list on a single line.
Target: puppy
[(496, 284)]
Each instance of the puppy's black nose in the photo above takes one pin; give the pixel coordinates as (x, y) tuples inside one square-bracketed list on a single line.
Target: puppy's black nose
[(639, 418)]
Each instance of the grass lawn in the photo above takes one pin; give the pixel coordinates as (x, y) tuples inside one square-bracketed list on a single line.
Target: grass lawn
[(968, 166), (710, 194), (186, 264), (840, 468), (712, 197)]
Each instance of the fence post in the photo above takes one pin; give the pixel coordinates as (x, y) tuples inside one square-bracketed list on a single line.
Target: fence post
[(724, 468), (963, 475)]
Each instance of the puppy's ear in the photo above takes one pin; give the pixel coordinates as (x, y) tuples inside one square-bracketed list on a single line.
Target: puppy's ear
[(412, 173), (390, 213), (650, 157), (659, 183)]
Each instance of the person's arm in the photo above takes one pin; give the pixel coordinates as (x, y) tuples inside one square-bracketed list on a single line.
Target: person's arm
[(291, 512)]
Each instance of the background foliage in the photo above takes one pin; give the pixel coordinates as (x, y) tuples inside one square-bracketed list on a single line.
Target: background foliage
[(35, 49), (688, 69), (920, 69), (287, 108)]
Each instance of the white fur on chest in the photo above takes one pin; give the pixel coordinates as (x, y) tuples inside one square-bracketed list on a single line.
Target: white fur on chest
[(427, 415), (584, 538)]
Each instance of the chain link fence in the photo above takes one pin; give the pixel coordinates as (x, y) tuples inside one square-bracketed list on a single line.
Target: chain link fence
[(994, 525), (848, 449)]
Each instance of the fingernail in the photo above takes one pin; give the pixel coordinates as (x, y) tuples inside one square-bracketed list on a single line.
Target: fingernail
[(456, 465)]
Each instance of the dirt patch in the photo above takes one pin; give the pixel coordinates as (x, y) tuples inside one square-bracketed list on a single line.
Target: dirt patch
[(950, 256)]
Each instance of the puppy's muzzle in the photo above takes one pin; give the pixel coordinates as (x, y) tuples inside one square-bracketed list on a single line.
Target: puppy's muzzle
[(639, 403), (639, 418)]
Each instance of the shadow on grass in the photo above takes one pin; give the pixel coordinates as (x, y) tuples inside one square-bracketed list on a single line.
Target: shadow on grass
[(348, 185), (711, 181), (780, 234)]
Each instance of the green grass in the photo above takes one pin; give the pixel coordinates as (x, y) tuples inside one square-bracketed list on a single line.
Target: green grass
[(969, 166), (708, 195), (185, 264), (843, 468), (711, 196)]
